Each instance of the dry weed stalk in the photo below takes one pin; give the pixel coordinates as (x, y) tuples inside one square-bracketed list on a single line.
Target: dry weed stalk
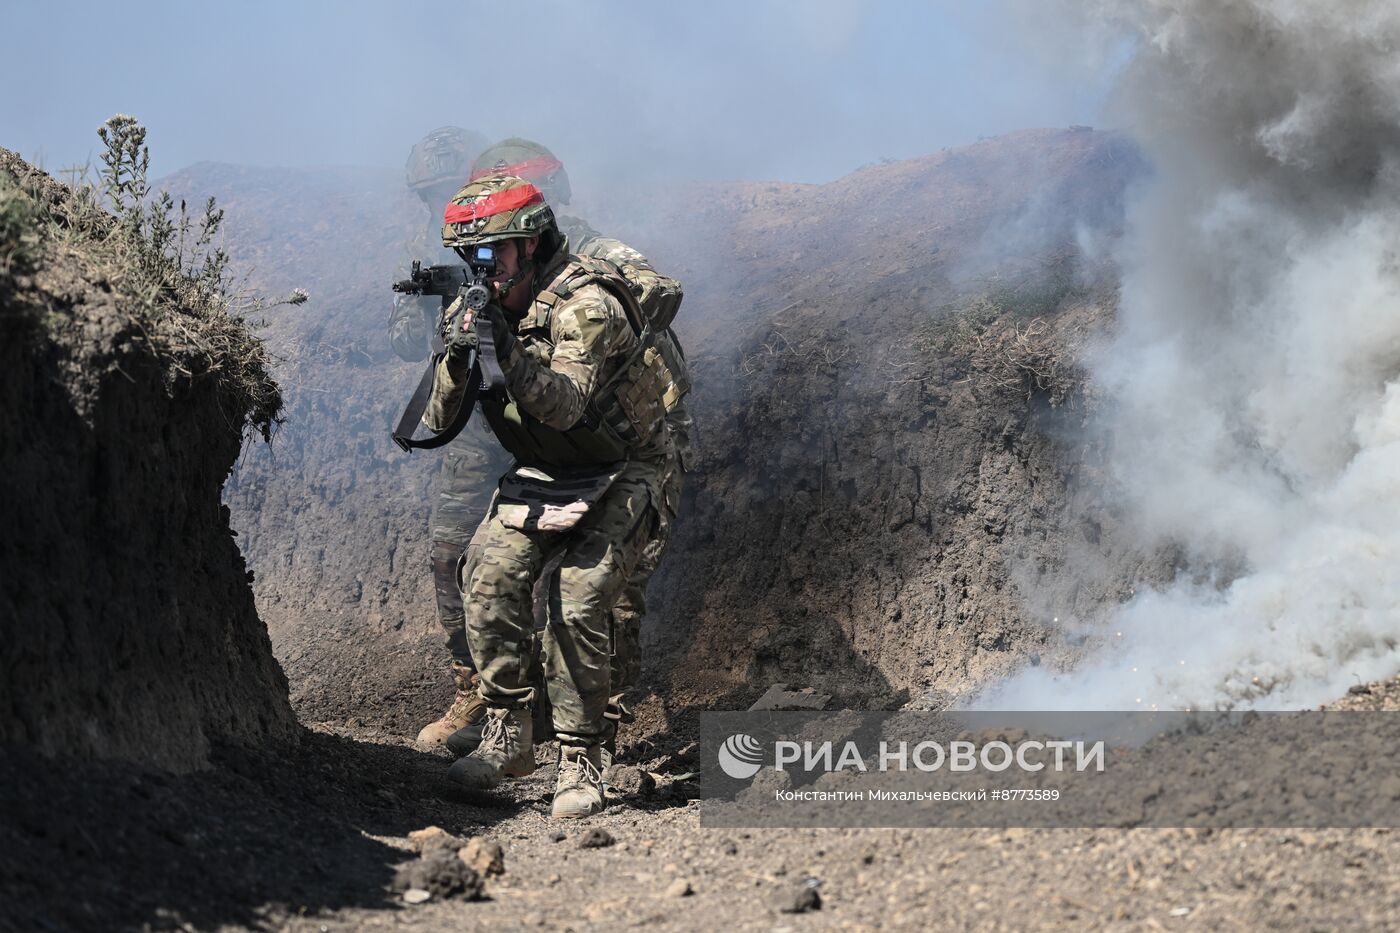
[(169, 264)]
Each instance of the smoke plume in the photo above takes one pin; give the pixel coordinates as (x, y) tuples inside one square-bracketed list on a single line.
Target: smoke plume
[(1255, 371)]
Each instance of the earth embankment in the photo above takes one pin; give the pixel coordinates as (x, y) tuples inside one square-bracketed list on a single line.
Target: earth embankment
[(126, 609)]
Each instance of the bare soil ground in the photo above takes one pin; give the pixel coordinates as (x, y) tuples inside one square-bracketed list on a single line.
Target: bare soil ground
[(307, 838)]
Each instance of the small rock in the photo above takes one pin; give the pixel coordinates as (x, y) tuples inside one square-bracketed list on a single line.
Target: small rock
[(484, 856), (679, 888), (797, 899), (553, 879), (559, 836), (779, 697), (596, 838), (415, 896), (729, 847), (1179, 911), (1359, 690)]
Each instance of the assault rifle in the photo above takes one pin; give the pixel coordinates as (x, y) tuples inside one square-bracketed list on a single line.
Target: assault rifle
[(462, 289)]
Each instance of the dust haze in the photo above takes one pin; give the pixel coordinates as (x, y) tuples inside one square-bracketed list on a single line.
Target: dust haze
[(1254, 376)]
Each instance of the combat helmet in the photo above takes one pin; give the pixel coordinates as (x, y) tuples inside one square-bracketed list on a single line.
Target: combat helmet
[(527, 159), (496, 207), (443, 157)]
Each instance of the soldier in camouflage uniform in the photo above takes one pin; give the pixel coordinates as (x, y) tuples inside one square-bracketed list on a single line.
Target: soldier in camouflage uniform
[(436, 168), (533, 162), (576, 390)]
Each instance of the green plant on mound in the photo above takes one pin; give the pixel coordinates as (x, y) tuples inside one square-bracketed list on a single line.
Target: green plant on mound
[(167, 262), (19, 233)]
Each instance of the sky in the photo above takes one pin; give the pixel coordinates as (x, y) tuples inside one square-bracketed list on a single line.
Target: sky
[(789, 90)]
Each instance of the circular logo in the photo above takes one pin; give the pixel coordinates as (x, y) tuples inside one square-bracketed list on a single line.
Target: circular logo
[(740, 756)]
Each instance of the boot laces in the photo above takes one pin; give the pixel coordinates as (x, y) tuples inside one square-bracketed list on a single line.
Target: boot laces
[(493, 735), (580, 769), (461, 703)]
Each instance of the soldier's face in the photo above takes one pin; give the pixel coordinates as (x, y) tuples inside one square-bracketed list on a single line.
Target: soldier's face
[(511, 254)]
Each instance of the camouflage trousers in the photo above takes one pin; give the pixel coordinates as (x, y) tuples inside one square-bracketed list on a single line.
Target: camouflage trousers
[(466, 479), (597, 558), (632, 604)]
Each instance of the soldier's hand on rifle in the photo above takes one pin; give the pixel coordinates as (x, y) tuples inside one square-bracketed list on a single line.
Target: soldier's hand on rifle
[(461, 340), (502, 331)]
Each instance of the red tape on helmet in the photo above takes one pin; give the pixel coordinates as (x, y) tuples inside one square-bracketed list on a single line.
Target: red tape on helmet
[(530, 169), (492, 204)]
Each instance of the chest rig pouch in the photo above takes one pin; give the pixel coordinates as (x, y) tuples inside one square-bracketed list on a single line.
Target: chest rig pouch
[(625, 413)]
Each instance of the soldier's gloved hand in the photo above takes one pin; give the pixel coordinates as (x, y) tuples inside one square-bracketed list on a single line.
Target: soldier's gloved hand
[(461, 341), (502, 333)]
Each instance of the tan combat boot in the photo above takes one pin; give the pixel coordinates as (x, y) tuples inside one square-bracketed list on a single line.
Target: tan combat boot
[(467, 708), (578, 790), (507, 749)]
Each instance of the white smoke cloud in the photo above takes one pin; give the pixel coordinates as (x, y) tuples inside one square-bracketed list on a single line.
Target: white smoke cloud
[(1256, 370)]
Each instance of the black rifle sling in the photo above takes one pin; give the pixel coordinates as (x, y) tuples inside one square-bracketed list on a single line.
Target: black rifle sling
[(413, 413), (486, 354)]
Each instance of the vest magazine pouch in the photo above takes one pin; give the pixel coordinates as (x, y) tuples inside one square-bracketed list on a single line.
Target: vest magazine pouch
[(550, 498), (642, 394)]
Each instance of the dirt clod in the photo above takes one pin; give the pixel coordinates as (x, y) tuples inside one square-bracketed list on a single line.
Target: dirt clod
[(596, 838), (631, 781), (441, 874), (431, 837), (484, 856)]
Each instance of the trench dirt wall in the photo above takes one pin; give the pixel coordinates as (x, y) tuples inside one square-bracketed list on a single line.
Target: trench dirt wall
[(128, 621)]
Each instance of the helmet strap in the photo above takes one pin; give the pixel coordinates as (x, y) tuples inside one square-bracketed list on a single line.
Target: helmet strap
[(527, 270)]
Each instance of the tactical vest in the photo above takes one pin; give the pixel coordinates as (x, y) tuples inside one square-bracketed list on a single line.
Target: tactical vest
[(624, 415)]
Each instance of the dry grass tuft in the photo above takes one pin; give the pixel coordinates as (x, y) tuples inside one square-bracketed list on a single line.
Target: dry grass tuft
[(166, 262), (1005, 352)]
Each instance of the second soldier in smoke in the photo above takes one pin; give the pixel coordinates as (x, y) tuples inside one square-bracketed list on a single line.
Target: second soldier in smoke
[(437, 165)]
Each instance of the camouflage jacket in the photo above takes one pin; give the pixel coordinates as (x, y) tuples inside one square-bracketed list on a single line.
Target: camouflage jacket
[(413, 321), (563, 357)]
